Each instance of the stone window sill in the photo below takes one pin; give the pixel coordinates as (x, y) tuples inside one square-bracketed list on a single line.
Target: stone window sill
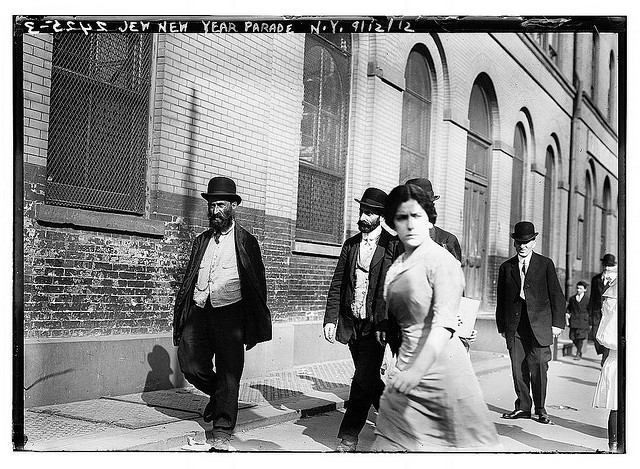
[(87, 219)]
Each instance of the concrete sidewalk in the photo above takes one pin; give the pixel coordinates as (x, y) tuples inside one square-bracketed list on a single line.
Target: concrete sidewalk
[(165, 420)]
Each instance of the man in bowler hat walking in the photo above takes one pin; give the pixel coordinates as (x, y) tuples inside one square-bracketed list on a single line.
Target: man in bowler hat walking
[(354, 304), (530, 312), (220, 307), (595, 304)]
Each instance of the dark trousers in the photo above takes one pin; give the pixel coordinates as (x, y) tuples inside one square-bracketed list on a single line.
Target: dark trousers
[(366, 386), (529, 365), (215, 333)]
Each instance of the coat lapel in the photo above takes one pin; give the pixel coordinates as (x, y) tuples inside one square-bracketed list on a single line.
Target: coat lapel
[(514, 270), (534, 265), (379, 252)]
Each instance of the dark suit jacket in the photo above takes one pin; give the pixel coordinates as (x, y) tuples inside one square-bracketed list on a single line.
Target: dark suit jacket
[(544, 298), (579, 312), (446, 240), (342, 287), (253, 286), (595, 300)]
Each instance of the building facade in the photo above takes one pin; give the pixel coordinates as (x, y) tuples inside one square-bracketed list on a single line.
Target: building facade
[(123, 131)]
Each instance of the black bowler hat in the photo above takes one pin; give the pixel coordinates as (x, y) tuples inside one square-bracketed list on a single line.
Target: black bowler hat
[(222, 188), (373, 198), (425, 185), (524, 232), (609, 260)]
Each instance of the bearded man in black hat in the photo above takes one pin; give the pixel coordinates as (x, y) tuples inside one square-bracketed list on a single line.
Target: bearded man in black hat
[(447, 240), (595, 303), (221, 307), (530, 312), (355, 304)]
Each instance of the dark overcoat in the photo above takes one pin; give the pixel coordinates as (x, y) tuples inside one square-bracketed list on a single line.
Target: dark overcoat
[(446, 240), (257, 317), (578, 312), (342, 287), (595, 300), (544, 298)]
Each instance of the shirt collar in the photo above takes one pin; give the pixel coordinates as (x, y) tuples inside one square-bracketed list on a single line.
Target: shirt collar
[(527, 259), (374, 235)]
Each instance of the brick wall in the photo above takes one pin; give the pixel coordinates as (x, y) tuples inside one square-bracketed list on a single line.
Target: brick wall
[(231, 105)]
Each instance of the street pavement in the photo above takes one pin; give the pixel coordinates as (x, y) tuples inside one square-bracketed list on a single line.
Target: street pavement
[(300, 410)]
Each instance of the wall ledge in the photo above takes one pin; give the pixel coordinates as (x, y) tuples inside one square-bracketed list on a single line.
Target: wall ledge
[(101, 221)]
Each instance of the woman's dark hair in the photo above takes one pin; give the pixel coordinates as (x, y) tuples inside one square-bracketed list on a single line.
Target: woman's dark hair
[(583, 283), (402, 194)]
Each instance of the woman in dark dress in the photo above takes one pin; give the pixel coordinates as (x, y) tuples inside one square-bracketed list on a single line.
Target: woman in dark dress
[(578, 318)]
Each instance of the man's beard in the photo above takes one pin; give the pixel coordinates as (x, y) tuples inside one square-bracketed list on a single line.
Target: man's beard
[(366, 227), (221, 221)]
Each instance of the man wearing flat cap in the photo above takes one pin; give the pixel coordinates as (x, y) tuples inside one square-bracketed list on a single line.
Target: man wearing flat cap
[(354, 303), (221, 307), (530, 312), (443, 238), (595, 303)]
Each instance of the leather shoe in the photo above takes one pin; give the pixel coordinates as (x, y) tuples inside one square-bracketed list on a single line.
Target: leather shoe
[(517, 414), (347, 446), (207, 415), (544, 418)]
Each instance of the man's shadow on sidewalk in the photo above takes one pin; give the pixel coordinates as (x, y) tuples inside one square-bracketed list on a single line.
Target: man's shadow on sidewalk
[(517, 433), (275, 395), (184, 407)]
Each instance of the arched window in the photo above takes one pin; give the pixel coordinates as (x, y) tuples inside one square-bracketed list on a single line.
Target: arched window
[(416, 117), (323, 147), (519, 151), (476, 187), (586, 230), (595, 54), (611, 94), (547, 217)]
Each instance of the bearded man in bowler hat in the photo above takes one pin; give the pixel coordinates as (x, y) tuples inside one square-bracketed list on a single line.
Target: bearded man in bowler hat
[(443, 238), (530, 312), (221, 307), (356, 308)]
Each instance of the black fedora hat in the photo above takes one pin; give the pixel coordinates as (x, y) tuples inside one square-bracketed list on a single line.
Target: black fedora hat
[(425, 185), (609, 260), (524, 231), (222, 188), (373, 198)]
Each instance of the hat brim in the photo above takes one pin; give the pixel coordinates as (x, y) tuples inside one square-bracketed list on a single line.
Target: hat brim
[(524, 239), (370, 204), (222, 196)]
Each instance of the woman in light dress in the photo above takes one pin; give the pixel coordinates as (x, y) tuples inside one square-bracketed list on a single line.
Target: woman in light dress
[(432, 399), (606, 395)]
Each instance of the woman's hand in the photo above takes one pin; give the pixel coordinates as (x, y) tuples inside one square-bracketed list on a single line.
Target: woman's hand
[(404, 381)]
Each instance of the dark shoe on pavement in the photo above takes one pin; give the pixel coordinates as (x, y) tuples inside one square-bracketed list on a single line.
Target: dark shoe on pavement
[(219, 444), (544, 418), (207, 415), (517, 414), (347, 446)]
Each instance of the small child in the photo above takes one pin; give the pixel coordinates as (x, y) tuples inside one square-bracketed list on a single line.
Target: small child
[(578, 318)]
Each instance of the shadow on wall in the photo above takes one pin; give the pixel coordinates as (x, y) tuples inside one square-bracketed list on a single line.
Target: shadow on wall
[(159, 377)]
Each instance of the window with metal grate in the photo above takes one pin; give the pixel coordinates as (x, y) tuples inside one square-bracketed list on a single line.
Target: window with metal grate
[(323, 147), (98, 127)]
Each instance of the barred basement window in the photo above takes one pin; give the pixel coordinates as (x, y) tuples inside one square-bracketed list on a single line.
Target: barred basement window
[(98, 121), (323, 145)]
